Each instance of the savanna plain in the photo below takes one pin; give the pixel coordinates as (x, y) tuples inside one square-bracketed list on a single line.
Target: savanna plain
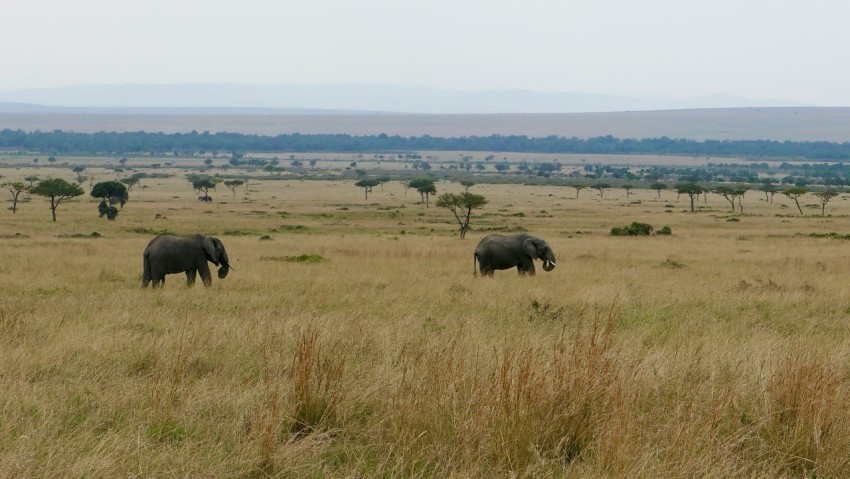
[(351, 339)]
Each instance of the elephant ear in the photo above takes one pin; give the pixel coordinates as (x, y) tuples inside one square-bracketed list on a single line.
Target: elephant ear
[(529, 247), (211, 249)]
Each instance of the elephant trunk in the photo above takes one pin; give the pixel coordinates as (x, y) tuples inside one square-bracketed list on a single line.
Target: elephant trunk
[(549, 265), (225, 265), (222, 272)]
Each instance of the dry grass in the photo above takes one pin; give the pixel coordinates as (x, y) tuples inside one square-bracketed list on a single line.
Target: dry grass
[(719, 351)]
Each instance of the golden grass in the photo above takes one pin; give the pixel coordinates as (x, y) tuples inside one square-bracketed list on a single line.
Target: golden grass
[(719, 351)]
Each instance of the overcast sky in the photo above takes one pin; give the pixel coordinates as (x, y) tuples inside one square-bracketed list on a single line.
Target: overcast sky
[(760, 49)]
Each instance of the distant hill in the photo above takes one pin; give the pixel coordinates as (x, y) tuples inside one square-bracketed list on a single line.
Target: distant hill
[(360, 98), (794, 124)]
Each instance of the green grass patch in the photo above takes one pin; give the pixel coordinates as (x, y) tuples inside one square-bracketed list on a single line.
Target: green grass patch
[(290, 228), (148, 231), (240, 233), (830, 235), (304, 258)]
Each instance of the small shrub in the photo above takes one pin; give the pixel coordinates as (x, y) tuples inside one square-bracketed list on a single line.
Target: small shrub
[(665, 230), (634, 229), (305, 258)]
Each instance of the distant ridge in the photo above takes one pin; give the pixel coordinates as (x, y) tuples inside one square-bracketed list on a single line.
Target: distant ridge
[(360, 98), (793, 124)]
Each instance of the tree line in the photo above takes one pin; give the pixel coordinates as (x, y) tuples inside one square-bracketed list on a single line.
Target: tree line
[(111, 143)]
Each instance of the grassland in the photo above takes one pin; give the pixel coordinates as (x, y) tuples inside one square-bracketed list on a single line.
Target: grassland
[(351, 339)]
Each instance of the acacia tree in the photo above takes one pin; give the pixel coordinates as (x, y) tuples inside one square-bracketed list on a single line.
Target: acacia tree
[(601, 187), (740, 191), (367, 184), (79, 171), (769, 189), (727, 192), (113, 192), (203, 183), (57, 190), (578, 187), (467, 185), (693, 190), (658, 187), (824, 197), (461, 206), (233, 184), (795, 194), (628, 189), (16, 188), (425, 187), (133, 180)]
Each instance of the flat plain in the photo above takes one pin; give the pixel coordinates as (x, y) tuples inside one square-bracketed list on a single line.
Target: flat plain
[(352, 340), (780, 124)]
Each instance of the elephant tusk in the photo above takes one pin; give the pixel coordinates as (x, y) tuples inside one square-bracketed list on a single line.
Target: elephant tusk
[(553, 263)]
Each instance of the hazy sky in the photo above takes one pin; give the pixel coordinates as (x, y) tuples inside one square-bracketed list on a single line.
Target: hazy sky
[(761, 49)]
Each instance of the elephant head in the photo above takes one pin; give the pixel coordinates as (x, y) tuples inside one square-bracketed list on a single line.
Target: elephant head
[(217, 255), (537, 248)]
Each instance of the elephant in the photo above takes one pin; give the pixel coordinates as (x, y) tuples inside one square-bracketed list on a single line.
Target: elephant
[(168, 253), (206, 198), (504, 252)]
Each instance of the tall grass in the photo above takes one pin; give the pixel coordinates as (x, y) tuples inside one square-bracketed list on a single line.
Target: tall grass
[(720, 351)]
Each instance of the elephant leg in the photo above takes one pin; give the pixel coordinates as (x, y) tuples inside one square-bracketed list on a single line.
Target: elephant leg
[(190, 277), (157, 282), (526, 268), (206, 276)]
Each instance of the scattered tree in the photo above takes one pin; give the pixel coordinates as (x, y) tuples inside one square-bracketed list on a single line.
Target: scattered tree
[(367, 184), (658, 187), (203, 183), (769, 189), (461, 206), (795, 194), (467, 185), (693, 190), (16, 188), (130, 181), (824, 197), (727, 192), (111, 193), (233, 184), (425, 187), (628, 189), (601, 187), (57, 190), (578, 187), (740, 191), (31, 180)]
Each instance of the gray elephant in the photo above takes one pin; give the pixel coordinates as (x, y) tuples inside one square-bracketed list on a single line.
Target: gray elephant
[(504, 252), (168, 253)]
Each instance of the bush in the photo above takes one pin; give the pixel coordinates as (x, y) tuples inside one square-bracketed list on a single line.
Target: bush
[(665, 230), (635, 229)]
